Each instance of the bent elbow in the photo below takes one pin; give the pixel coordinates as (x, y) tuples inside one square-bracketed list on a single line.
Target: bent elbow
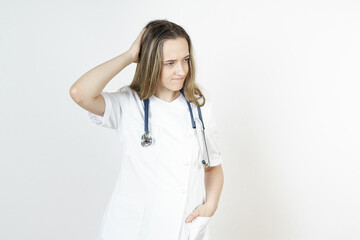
[(75, 94)]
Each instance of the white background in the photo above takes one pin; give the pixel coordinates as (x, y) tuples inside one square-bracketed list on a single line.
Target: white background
[(284, 79)]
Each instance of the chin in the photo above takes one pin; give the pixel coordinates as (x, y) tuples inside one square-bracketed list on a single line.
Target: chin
[(176, 88)]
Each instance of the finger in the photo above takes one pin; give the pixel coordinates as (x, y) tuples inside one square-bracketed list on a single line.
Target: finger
[(189, 218), (192, 216)]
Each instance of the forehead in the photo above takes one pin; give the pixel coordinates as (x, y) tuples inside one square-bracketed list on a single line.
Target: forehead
[(175, 48)]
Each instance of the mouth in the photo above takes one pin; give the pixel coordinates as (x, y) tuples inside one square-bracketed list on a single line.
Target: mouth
[(178, 79)]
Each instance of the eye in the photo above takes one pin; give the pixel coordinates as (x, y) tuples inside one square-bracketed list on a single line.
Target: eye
[(171, 63)]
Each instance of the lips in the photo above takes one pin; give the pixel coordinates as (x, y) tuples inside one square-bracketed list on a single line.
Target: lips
[(178, 79)]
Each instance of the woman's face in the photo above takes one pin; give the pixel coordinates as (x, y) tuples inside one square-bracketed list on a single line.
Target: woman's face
[(175, 65)]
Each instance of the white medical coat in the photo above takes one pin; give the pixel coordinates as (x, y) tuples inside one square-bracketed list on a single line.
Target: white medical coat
[(160, 185)]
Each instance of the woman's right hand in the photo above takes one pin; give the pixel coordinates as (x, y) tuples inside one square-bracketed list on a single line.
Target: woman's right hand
[(135, 47)]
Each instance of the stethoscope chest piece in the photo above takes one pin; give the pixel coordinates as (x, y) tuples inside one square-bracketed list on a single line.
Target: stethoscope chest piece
[(146, 139)]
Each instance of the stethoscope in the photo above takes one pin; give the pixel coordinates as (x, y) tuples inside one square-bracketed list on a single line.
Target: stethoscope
[(146, 139)]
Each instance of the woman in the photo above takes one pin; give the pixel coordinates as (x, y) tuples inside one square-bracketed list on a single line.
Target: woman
[(163, 191)]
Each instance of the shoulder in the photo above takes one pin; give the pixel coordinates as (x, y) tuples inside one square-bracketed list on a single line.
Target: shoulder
[(126, 92), (207, 109)]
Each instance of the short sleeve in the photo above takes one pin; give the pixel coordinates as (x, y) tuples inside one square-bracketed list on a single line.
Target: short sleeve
[(211, 134), (114, 107)]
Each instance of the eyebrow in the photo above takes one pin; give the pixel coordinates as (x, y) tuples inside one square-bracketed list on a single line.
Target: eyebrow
[(175, 60)]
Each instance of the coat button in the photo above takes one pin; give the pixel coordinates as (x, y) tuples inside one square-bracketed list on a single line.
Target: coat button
[(186, 163), (183, 191)]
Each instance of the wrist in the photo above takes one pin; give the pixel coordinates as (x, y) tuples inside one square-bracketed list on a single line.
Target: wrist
[(212, 205), (131, 56)]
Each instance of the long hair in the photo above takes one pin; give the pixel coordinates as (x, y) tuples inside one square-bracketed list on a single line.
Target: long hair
[(149, 67)]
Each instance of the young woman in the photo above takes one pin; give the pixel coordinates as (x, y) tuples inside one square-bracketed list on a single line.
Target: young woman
[(171, 177)]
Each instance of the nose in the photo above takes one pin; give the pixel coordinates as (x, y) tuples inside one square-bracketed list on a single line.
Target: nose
[(180, 71)]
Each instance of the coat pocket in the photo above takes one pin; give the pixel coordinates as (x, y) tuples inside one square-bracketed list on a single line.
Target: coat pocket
[(198, 228), (123, 219)]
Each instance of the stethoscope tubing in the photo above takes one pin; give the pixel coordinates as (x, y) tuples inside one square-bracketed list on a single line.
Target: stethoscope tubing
[(205, 163), (146, 139)]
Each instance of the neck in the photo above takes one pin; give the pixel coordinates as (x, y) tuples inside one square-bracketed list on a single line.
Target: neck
[(167, 96)]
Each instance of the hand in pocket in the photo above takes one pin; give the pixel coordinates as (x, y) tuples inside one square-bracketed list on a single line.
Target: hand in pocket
[(204, 210)]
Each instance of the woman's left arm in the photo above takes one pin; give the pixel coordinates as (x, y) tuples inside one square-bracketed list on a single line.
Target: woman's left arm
[(214, 180), (214, 176)]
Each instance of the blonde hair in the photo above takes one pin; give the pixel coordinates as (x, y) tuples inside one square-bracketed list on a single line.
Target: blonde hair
[(149, 67)]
